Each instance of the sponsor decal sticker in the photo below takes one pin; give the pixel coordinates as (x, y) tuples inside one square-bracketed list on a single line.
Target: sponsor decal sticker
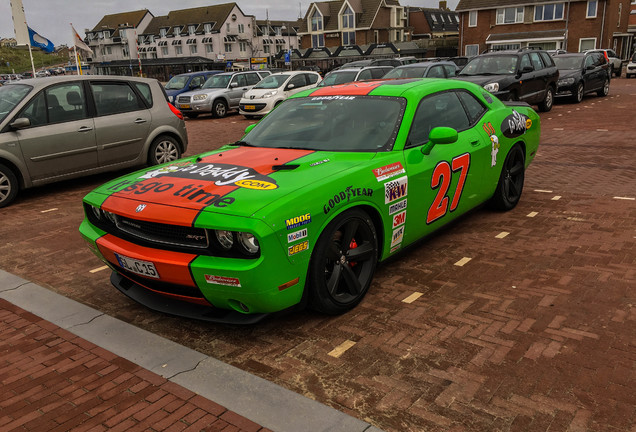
[(516, 124), (298, 221), (396, 248), (494, 140), (345, 196), (399, 219), (222, 280), (319, 162), (292, 237), (397, 237), (140, 207), (293, 250), (398, 206), (395, 189), (388, 171)]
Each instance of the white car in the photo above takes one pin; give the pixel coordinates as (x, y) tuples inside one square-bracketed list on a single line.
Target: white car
[(274, 89), (631, 67)]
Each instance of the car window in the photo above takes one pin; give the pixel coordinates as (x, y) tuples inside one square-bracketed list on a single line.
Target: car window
[(440, 109), (10, 97), (525, 62), (65, 102), (450, 70), (472, 105), (298, 81), (589, 61), (144, 90), (547, 60), (312, 78), (114, 98), (611, 53), (197, 81), (599, 59), (537, 63), (436, 72), (240, 80), (35, 110), (365, 74), (252, 78)]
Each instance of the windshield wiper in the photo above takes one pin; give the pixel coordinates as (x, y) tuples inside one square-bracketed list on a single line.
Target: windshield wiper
[(243, 144)]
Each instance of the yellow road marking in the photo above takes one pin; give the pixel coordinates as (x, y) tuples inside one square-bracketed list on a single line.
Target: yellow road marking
[(556, 197), (462, 261), (49, 210), (412, 297), (502, 234), (98, 269), (340, 349), (532, 214)]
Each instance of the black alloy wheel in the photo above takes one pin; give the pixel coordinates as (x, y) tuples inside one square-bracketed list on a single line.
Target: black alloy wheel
[(577, 96), (510, 186), (343, 263), (546, 105), (604, 91)]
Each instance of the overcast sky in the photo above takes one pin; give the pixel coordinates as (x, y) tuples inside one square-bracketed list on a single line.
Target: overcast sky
[(51, 18)]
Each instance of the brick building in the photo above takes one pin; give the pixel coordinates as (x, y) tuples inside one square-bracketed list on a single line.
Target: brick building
[(574, 25)]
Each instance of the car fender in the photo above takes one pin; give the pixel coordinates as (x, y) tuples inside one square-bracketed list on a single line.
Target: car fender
[(161, 130), (18, 167)]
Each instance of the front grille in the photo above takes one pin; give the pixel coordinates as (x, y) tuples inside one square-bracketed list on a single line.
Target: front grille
[(183, 99), (174, 235), (163, 287)]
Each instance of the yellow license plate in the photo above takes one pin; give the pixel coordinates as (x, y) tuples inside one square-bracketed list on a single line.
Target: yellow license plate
[(184, 106), (250, 107)]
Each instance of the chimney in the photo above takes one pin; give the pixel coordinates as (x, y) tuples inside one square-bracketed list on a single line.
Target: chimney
[(443, 5)]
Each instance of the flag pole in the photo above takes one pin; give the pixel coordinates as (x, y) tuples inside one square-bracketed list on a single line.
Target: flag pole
[(32, 64), (77, 62)]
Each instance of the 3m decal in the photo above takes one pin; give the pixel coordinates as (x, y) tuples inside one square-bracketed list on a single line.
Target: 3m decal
[(293, 250), (395, 189), (298, 221), (399, 219), (516, 124), (388, 171), (396, 238), (441, 181), (221, 174), (490, 130), (292, 237), (345, 196), (222, 280), (398, 206), (319, 162)]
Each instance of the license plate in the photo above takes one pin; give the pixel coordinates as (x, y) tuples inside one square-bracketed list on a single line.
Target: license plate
[(249, 107), (144, 268), (183, 106)]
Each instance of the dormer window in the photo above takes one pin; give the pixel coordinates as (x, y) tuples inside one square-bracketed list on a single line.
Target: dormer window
[(316, 21), (163, 32), (348, 27), (191, 29), (176, 31), (207, 28), (347, 19)]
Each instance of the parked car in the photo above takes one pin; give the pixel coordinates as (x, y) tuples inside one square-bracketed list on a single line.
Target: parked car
[(460, 61), (64, 127), (354, 64), (186, 82), (616, 64), (582, 73), (428, 69), (274, 89), (345, 75), (524, 75), (219, 94), (303, 207), (394, 62), (630, 70), (312, 68)]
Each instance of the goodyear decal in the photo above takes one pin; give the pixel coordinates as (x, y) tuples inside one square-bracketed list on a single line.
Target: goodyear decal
[(395, 189), (398, 206), (297, 235), (298, 221), (345, 196), (300, 247)]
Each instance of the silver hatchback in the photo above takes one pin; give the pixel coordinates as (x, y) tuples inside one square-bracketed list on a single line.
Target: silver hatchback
[(59, 128)]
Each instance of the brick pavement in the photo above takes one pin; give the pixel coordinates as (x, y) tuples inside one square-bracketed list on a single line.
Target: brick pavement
[(53, 380)]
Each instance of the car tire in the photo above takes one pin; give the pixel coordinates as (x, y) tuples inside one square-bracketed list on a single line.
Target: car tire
[(342, 263), (192, 116), (8, 186), (548, 101), (577, 95), (510, 185), (163, 149), (219, 108), (617, 73), (604, 91)]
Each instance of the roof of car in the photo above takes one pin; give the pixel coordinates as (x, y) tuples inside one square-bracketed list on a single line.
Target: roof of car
[(425, 64), (45, 81)]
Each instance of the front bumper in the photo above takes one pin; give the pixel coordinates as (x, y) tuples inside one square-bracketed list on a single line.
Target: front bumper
[(255, 107), (204, 106)]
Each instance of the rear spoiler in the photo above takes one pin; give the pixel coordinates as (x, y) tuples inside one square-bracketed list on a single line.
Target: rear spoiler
[(516, 103)]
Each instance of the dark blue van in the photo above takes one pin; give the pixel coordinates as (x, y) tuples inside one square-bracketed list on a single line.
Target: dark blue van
[(186, 82)]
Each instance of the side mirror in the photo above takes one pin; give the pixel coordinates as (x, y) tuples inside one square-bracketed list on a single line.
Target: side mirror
[(249, 128), (440, 135), (20, 123), (290, 87), (527, 69), (590, 67), (233, 85)]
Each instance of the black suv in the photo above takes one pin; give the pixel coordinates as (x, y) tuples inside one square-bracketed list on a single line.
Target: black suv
[(525, 75), (581, 73)]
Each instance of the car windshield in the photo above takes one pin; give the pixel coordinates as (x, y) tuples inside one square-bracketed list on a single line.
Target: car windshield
[(407, 72), (571, 63), (272, 82), (331, 123), (177, 83), (634, 57), (217, 81), (491, 65), (10, 96), (338, 77)]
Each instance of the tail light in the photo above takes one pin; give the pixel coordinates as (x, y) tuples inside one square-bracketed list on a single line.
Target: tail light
[(175, 111)]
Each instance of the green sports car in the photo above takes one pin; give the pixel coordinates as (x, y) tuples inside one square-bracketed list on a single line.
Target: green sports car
[(303, 207)]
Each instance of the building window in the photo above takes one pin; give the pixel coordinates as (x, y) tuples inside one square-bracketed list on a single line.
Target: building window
[(512, 15), (151, 38), (209, 48), (472, 19), (348, 38), (242, 46), (191, 29), (109, 50), (125, 53), (266, 49), (279, 48), (502, 47), (587, 44), (207, 28), (318, 41), (164, 51), (178, 50), (176, 30), (162, 32), (241, 28), (347, 19), (592, 6), (471, 50), (316, 21), (227, 27), (143, 55), (193, 49), (548, 12), (228, 47)]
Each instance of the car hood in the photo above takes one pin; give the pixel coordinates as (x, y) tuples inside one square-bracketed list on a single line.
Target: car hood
[(257, 93), (207, 91), (173, 92), (569, 73), (483, 79), (234, 181)]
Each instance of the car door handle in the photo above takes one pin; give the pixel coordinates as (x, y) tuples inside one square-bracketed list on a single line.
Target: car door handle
[(85, 129), (474, 143), (138, 121)]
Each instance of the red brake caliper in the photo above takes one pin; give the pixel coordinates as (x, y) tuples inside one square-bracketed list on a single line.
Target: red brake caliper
[(353, 245)]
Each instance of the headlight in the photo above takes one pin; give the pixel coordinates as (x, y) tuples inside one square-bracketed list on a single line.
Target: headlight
[(97, 212), (269, 94), (225, 238), (200, 97), (248, 242), (111, 217), (566, 81), (492, 87)]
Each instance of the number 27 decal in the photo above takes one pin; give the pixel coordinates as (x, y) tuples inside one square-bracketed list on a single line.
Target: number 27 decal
[(441, 181)]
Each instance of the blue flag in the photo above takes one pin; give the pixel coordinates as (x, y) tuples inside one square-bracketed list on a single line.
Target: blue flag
[(41, 42)]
